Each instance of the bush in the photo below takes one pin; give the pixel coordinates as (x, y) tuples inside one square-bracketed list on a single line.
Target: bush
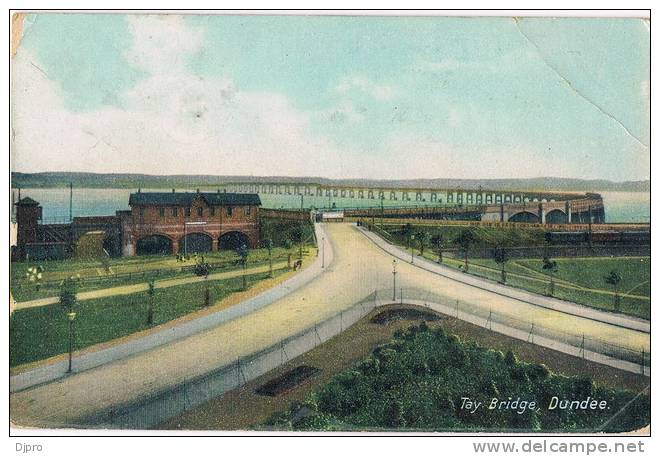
[(418, 380)]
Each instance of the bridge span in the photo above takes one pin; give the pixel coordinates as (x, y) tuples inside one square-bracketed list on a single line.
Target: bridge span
[(436, 203)]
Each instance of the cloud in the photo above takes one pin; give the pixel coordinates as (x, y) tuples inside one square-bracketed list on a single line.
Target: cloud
[(162, 43), (362, 84), (172, 121), (343, 113)]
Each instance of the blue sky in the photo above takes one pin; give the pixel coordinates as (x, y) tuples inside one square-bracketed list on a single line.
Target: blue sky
[(378, 97)]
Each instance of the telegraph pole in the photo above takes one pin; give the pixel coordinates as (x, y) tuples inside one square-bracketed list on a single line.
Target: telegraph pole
[(302, 226), (382, 211), (70, 201)]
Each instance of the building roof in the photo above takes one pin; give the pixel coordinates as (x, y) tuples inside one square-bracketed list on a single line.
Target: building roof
[(186, 199), (27, 201)]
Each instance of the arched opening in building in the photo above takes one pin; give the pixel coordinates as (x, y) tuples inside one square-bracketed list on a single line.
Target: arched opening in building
[(196, 243), (233, 240), (556, 216), (112, 246), (525, 217), (155, 244)]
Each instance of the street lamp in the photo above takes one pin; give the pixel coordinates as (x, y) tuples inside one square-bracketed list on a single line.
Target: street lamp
[(393, 280), (412, 249), (323, 252), (72, 317), (185, 235)]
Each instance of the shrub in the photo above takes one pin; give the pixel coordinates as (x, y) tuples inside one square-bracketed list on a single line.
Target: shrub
[(417, 380)]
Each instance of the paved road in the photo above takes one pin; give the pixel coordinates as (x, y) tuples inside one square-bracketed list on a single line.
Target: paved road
[(622, 320), (359, 267)]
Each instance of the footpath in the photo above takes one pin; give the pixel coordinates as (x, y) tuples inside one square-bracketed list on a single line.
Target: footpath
[(623, 321)]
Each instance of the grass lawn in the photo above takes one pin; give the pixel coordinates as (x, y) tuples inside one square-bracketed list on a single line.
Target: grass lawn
[(41, 332), (579, 280), (126, 271)]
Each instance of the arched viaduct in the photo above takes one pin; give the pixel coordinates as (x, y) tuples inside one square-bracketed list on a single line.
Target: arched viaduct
[(474, 204)]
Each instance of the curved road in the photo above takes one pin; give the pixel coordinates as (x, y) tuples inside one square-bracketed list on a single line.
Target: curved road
[(359, 268)]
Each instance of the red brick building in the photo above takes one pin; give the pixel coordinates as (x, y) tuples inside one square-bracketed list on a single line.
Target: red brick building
[(176, 222)]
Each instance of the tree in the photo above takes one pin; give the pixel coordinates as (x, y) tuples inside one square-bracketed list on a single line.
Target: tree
[(437, 241), (465, 241), (614, 279), (551, 267), (423, 240), (151, 291), (243, 253), (68, 289), (501, 256)]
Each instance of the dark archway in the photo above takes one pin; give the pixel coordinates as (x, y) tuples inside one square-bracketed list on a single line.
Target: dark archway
[(556, 216), (154, 245), (196, 243), (233, 240), (526, 217), (112, 246)]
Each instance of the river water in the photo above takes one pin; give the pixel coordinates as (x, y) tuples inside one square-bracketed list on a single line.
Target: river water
[(620, 207)]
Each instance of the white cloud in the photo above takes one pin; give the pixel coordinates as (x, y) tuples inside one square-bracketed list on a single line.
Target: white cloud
[(162, 42), (174, 122), (377, 91), (343, 113), (170, 122)]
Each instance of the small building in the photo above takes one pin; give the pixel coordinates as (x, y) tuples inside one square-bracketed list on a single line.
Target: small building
[(334, 216), (185, 222)]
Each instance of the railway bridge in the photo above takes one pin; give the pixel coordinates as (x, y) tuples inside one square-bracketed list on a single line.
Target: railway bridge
[(439, 203)]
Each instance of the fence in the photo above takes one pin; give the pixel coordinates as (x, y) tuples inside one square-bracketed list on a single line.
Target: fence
[(488, 318), (141, 276), (149, 411), (497, 224)]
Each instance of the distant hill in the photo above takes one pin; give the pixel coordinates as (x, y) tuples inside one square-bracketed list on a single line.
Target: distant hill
[(93, 180)]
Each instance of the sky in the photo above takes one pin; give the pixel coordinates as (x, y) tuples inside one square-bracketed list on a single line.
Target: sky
[(333, 96)]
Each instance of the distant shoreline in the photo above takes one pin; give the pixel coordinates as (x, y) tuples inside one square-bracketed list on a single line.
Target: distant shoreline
[(132, 181)]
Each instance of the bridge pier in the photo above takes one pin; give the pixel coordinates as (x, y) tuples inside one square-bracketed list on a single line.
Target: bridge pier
[(542, 213)]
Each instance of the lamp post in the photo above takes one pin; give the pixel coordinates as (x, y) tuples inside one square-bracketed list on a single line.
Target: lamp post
[(412, 249), (72, 317), (393, 280)]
